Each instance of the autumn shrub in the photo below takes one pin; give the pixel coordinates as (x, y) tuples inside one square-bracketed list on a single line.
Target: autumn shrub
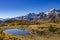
[(40, 32), (33, 31), (52, 29), (2, 35), (1, 38)]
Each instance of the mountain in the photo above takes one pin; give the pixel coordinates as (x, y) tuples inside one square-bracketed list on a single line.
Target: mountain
[(1, 20), (52, 14), (28, 17)]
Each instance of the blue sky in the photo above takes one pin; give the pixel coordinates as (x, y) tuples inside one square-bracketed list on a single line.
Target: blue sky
[(14, 8)]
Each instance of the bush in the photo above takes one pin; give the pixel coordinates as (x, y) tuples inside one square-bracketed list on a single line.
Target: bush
[(40, 32), (1, 38), (52, 29)]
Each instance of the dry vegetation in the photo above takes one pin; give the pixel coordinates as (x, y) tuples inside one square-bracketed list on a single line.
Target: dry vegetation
[(38, 30), (4, 36)]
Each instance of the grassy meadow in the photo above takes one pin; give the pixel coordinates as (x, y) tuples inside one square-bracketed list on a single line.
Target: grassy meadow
[(38, 30)]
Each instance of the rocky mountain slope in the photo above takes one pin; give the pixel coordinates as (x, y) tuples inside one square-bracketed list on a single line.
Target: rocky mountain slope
[(42, 16), (52, 14)]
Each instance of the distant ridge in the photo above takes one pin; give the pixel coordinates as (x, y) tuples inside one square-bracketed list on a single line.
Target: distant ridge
[(42, 16)]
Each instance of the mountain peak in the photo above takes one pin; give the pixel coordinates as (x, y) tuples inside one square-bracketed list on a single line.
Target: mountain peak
[(42, 16), (58, 10), (53, 9)]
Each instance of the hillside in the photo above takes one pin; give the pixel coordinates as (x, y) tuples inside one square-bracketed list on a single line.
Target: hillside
[(41, 16), (41, 26), (32, 18)]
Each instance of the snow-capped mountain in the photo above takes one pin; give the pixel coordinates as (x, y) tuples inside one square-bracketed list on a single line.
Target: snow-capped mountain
[(42, 16)]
